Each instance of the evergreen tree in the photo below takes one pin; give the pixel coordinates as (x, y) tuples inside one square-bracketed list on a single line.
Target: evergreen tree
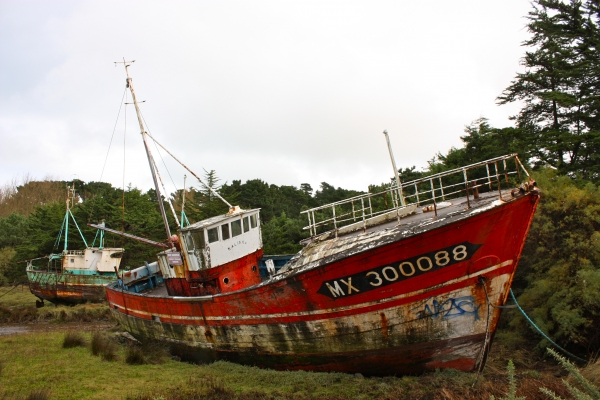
[(560, 88)]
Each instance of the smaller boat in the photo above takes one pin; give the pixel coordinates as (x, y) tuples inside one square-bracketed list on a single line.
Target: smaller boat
[(74, 276)]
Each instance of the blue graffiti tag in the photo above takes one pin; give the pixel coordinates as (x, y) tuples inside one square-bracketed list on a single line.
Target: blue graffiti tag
[(450, 308)]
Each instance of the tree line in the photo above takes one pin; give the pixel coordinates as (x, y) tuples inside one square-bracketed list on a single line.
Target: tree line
[(556, 132)]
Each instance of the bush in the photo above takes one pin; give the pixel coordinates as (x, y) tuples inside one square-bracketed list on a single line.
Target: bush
[(103, 347), (586, 390), (148, 352), (38, 394), (73, 339), (559, 272)]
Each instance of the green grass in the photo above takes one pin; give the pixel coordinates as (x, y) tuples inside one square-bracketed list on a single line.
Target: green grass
[(38, 362), (18, 306), (17, 297)]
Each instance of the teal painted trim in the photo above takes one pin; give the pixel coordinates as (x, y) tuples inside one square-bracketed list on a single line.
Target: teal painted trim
[(95, 237), (46, 279), (89, 273), (542, 333), (77, 226), (57, 242), (66, 229)]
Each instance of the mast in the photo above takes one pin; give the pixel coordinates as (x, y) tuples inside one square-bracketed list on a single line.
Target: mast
[(183, 217), (148, 152), (387, 138), (70, 197)]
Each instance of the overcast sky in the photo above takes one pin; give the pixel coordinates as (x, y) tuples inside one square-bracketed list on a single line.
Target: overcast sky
[(287, 92)]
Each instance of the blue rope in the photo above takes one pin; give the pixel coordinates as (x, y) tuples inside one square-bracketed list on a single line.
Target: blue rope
[(542, 333)]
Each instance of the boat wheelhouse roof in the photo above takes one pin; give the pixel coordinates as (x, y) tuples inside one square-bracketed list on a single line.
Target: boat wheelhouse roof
[(218, 219)]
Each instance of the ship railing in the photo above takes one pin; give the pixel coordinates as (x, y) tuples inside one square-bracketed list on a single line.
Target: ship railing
[(364, 210)]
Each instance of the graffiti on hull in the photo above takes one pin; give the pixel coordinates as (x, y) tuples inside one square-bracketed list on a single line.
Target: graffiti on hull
[(452, 307)]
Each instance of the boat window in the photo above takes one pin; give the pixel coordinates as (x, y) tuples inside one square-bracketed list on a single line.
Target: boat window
[(246, 224), (253, 221), (189, 242), (213, 235), (225, 231), (199, 239), (236, 228)]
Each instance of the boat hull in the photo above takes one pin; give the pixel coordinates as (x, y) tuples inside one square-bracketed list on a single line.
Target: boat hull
[(60, 288), (403, 301)]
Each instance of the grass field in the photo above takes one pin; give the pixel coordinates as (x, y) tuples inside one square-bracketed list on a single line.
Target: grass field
[(35, 365), (19, 296), (17, 305)]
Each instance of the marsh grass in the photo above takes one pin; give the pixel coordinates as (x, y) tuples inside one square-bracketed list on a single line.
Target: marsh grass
[(592, 372), (148, 352), (17, 297), (51, 313), (18, 306), (37, 360), (73, 339), (38, 394), (103, 346)]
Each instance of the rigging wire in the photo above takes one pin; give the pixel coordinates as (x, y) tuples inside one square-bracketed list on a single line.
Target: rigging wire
[(124, 153), (113, 134), (158, 150)]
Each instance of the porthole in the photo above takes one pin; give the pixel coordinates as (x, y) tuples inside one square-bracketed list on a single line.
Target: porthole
[(254, 268), (226, 280)]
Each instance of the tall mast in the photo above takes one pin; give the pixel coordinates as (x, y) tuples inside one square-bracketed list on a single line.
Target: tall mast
[(148, 152), (387, 138)]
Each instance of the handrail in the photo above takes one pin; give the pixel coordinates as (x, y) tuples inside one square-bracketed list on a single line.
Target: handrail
[(485, 175)]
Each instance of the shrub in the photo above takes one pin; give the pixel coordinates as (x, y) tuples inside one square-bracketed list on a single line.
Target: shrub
[(149, 352), (38, 394), (587, 390), (103, 347), (73, 339), (512, 384)]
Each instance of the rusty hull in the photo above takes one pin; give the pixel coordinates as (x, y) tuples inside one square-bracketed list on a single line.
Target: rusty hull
[(399, 300), (60, 288)]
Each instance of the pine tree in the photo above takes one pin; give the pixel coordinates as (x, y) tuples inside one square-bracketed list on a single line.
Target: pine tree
[(559, 88)]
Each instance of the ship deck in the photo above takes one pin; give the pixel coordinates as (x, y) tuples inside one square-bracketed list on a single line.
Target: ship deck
[(458, 206)]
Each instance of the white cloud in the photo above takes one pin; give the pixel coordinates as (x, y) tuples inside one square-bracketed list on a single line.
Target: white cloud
[(287, 92)]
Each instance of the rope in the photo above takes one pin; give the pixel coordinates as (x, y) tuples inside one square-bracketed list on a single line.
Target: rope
[(14, 287), (160, 155), (542, 333), (113, 134)]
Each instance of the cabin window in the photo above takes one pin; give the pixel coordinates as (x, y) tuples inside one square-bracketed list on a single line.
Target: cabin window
[(236, 228), (225, 231), (189, 242), (253, 221), (246, 224), (213, 235), (199, 239)]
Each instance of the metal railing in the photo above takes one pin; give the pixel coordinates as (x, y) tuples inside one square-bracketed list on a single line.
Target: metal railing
[(359, 211)]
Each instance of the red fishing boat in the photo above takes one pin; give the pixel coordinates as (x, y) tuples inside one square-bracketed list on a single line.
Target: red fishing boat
[(397, 282)]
